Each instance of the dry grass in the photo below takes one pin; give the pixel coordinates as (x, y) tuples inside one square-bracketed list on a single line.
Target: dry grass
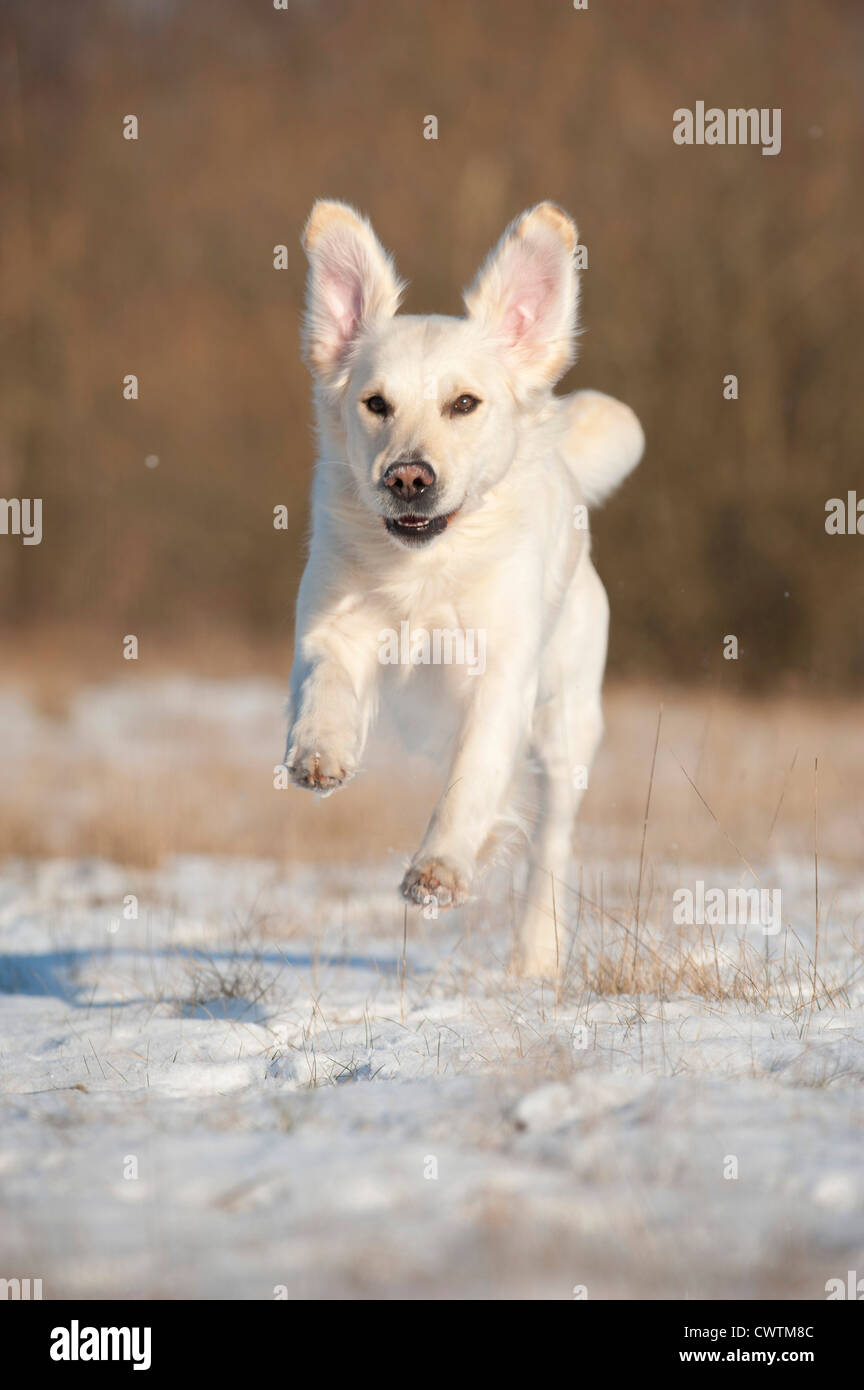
[(668, 963), (733, 781), (731, 785), (212, 987)]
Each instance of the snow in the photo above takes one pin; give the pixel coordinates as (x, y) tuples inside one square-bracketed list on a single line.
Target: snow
[(266, 1083)]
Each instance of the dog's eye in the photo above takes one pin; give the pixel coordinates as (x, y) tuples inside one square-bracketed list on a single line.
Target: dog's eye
[(463, 405), (378, 405)]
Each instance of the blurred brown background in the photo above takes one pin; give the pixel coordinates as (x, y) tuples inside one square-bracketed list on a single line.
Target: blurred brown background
[(156, 257)]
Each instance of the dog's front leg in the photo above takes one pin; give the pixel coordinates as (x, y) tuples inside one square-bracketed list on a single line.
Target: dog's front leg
[(333, 695), (491, 739)]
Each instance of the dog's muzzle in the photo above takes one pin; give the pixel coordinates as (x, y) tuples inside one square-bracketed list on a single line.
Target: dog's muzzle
[(411, 485)]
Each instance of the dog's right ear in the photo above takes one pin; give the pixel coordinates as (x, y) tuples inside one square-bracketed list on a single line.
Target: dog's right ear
[(351, 285)]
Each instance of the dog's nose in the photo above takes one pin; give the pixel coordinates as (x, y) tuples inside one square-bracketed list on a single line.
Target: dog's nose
[(409, 479)]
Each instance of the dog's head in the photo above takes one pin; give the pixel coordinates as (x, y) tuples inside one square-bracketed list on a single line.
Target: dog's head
[(429, 408)]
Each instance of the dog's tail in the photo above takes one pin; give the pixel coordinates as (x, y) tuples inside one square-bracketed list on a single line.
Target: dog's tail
[(603, 442)]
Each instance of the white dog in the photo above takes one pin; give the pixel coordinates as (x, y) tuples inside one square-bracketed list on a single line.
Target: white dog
[(449, 508)]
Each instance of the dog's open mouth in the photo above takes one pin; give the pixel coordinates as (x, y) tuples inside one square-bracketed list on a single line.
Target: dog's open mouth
[(417, 530)]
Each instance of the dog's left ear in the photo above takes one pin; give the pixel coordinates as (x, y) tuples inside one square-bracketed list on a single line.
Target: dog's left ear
[(526, 293)]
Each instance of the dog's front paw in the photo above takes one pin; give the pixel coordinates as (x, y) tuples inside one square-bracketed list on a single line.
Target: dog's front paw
[(318, 770), (435, 878)]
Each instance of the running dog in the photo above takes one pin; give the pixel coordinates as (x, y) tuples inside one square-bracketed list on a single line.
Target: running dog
[(451, 497)]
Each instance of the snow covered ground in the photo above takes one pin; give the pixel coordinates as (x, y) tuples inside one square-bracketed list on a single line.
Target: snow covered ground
[(266, 1082)]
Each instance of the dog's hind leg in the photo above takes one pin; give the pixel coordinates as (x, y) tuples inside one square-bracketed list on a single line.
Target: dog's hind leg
[(564, 757), (566, 729)]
